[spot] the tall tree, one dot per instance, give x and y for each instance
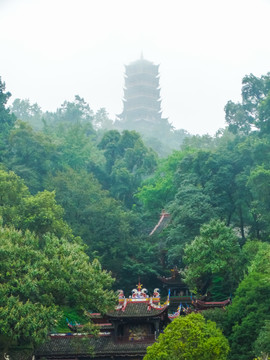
(28, 112)
(160, 188)
(213, 261)
(77, 111)
(102, 121)
(190, 209)
(7, 120)
(38, 213)
(262, 343)
(244, 117)
(32, 155)
(264, 115)
(250, 306)
(258, 183)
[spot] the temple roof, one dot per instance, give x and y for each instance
(175, 279)
(163, 221)
(71, 345)
(138, 305)
(140, 309)
(199, 304)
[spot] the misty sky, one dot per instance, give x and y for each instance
(51, 50)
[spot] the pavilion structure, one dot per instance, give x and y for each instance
(179, 292)
(182, 301)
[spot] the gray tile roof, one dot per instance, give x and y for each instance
(138, 310)
(74, 345)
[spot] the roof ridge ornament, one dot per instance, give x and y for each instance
(139, 286)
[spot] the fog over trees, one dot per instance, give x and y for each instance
(79, 197)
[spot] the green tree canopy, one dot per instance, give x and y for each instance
(213, 256)
(262, 343)
(128, 161)
(102, 121)
(12, 192)
(28, 112)
(38, 213)
(41, 214)
(32, 155)
(7, 120)
(95, 216)
(250, 306)
(38, 277)
(77, 111)
(190, 209)
(244, 117)
(189, 338)
(259, 185)
(158, 190)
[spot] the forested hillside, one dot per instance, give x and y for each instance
(78, 196)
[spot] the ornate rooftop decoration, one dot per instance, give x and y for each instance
(174, 279)
(139, 304)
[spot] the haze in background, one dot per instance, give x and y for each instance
(54, 49)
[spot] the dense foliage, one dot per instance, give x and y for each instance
(37, 276)
(250, 308)
(190, 338)
(71, 179)
(214, 260)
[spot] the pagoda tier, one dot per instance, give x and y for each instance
(137, 119)
(140, 102)
(142, 66)
(143, 80)
(139, 91)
